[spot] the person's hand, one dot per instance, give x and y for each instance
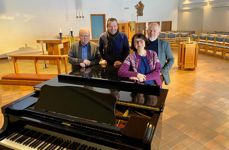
(133, 78)
(88, 70)
(82, 69)
(141, 77)
(82, 65)
(103, 62)
(87, 62)
(117, 64)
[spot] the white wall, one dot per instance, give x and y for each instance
(199, 15)
(190, 20)
(23, 22)
(216, 19)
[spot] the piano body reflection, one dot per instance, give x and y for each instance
(74, 112)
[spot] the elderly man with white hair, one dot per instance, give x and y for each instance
(163, 50)
(83, 53)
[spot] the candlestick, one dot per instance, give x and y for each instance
(189, 40)
(60, 35)
(71, 33)
(82, 15)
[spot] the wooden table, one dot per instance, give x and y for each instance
(55, 46)
(187, 55)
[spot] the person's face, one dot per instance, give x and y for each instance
(153, 31)
(112, 27)
(139, 44)
(84, 37)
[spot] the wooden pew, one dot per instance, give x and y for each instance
(223, 49)
(33, 78)
(56, 58)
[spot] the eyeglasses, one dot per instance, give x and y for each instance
(138, 41)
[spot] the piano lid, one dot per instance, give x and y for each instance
(127, 93)
(110, 84)
(77, 101)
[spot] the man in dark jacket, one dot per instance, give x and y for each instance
(113, 45)
(83, 53)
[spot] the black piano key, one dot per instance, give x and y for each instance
(44, 139)
(65, 144)
(34, 142)
(61, 144)
(77, 145)
(89, 148)
(50, 144)
(26, 142)
(18, 135)
(29, 134)
(83, 147)
(70, 146)
(23, 137)
(55, 144)
(69, 143)
(74, 145)
(46, 143)
(36, 139)
(41, 139)
(32, 138)
(11, 135)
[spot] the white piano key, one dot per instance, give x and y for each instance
(14, 145)
(21, 146)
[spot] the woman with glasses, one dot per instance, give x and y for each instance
(142, 65)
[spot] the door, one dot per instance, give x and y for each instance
(97, 25)
(158, 22)
(166, 26)
(140, 27)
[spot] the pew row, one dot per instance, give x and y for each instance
(18, 78)
(214, 49)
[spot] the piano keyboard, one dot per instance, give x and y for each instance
(33, 138)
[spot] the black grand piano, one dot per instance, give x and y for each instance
(86, 110)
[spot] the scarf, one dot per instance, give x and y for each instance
(110, 45)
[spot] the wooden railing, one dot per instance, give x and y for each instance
(36, 58)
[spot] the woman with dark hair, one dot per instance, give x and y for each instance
(142, 65)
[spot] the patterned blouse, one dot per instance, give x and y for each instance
(131, 65)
